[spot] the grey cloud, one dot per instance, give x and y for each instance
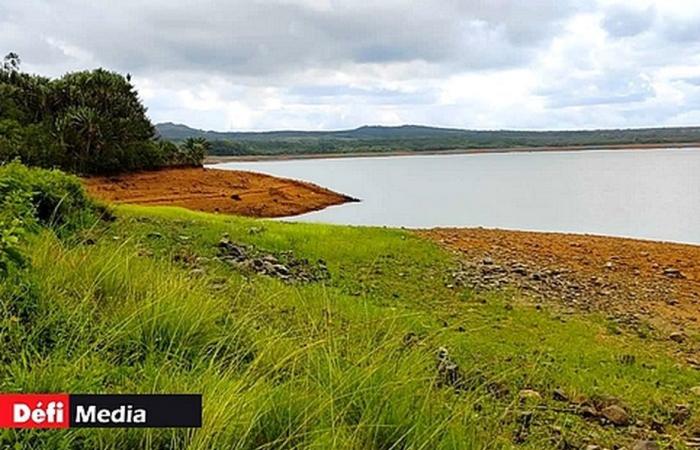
(621, 21)
(324, 94)
(253, 38)
(683, 31)
(614, 87)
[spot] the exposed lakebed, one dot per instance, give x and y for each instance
(649, 194)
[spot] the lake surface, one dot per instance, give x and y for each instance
(650, 194)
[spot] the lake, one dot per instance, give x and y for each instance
(649, 194)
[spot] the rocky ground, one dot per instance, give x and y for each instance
(638, 284)
(210, 190)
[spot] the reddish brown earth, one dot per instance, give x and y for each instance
(211, 190)
(634, 281)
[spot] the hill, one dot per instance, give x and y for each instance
(415, 138)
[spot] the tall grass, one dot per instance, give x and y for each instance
(347, 363)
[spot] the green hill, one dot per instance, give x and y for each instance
(414, 138)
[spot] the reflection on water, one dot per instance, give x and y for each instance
(653, 194)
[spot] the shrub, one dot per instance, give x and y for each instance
(30, 198)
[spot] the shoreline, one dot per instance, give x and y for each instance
(213, 160)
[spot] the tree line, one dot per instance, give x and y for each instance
(87, 122)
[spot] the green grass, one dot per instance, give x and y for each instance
(347, 363)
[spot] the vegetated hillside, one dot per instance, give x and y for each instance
(311, 336)
(414, 138)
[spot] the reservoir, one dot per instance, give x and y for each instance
(648, 194)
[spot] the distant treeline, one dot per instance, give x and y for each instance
(89, 122)
(415, 138)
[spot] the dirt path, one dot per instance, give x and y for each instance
(632, 280)
(211, 190)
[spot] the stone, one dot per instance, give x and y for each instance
(588, 412)
(527, 394)
(672, 272)
(449, 372)
(677, 336)
(560, 396)
(645, 445)
(680, 415)
(616, 415)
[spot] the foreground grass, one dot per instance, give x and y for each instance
(347, 363)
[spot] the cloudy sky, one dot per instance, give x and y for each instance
(330, 64)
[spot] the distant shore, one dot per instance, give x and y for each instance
(457, 151)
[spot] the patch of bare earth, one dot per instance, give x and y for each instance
(211, 190)
(633, 281)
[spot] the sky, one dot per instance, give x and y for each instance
(338, 64)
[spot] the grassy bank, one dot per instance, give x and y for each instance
(145, 304)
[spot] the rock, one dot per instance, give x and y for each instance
(487, 261)
(645, 445)
(527, 394)
(680, 415)
(616, 415)
(671, 272)
(280, 269)
(271, 259)
(588, 412)
(560, 396)
(677, 336)
(449, 372)
(498, 389)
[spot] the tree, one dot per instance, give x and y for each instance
(11, 62)
(89, 122)
(194, 150)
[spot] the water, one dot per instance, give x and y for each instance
(649, 194)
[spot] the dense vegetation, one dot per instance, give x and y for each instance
(415, 138)
(85, 122)
(142, 303)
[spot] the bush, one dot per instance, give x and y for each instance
(50, 197)
(30, 198)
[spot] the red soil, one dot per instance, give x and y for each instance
(211, 190)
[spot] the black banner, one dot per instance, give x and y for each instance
(136, 411)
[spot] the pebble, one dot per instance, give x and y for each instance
(560, 396)
(672, 272)
(526, 394)
(680, 415)
(677, 336)
(616, 415)
(645, 445)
